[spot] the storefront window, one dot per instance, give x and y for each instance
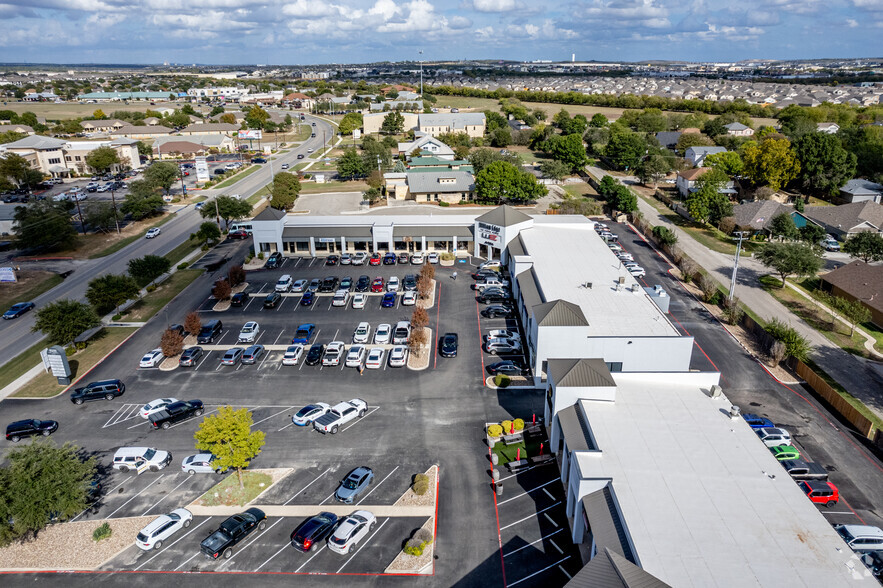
(303, 246)
(401, 245)
(441, 245)
(321, 246)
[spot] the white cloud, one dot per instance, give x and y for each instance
(459, 22)
(851, 23)
(493, 5)
(311, 9)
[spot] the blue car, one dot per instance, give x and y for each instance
(389, 300)
(308, 299)
(303, 334)
(18, 309)
(757, 422)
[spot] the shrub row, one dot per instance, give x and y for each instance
(420, 485)
(418, 542)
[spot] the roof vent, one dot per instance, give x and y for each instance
(715, 391)
(735, 412)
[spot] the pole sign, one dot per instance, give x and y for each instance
(202, 174)
(253, 134)
(55, 361)
(7, 274)
(357, 133)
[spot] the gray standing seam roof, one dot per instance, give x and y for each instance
(559, 313)
(611, 570)
(36, 142)
(575, 429)
(503, 216)
(269, 213)
(579, 373)
(607, 527)
(516, 246)
(453, 120)
(428, 181)
(527, 287)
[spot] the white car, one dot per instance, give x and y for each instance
(352, 530)
(398, 356)
(489, 264)
(362, 333)
(359, 258)
(375, 359)
(151, 233)
(333, 353)
(284, 166)
(393, 284)
(284, 284)
(155, 406)
(432, 257)
(359, 300)
(346, 259)
(614, 247)
(299, 286)
(163, 527)
(152, 358)
(623, 256)
(292, 354)
(249, 332)
(341, 297)
(502, 334)
(355, 356)
(236, 196)
(382, 334)
(309, 413)
(638, 272)
(772, 436)
(230, 166)
(201, 463)
(417, 258)
(409, 298)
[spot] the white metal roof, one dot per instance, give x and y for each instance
(705, 503)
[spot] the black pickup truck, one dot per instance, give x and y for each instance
(175, 413)
(231, 532)
(804, 470)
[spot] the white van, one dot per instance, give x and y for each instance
(133, 458)
(246, 226)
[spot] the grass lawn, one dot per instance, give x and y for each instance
(21, 363)
(148, 306)
(94, 246)
(30, 284)
(811, 286)
(67, 110)
(46, 386)
(181, 251)
(579, 190)
(233, 179)
(228, 493)
(508, 453)
(254, 198)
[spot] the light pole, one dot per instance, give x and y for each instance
(421, 74)
(740, 236)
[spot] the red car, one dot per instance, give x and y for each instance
(375, 259)
(820, 492)
(240, 234)
(377, 285)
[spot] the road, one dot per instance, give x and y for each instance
(16, 335)
(858, 376)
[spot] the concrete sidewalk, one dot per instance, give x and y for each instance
(857, 375)
(302, 510)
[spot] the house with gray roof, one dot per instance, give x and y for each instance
(668, 139)
(847, 220)
(859, 190)
(429, 144)
(10, 128)
(450, 186)
(696, 155)
(756, 216)
(858, 281)
(737, 129)
(210, 129)
(471, 123)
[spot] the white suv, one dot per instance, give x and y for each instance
(772, 436)
(132, 458)
(284, 284)
(401, 333)
(249, 332)
(341, 297)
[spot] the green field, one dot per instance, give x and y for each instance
(154, 301)
(66, 110)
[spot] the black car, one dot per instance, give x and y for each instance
(346, 284)
(239, 299)
(409, 283)
(492, 296)
(329, 284)
(508, 367)
(272, 299)
(190, 356)
(314, 355)
(497, 310)
(274, 261)
(179, 329)
(484, 274)
(363, 284)
(259, 160)
(18, 309)
(332, 260)
(313, 531)
(231, 532)
(175, 413)
(447, 345)
(29, 428)
(104, 389)
(389, 259)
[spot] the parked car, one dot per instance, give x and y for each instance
(359, 300)
(820, 492)
(359, 258)
(346, 259)
(785, 452)
(239, 299)
(238, 235)
(800, 469)
(491, 296)
(314, 285)
(772, 436)
(30, 428)
(363, 284)
(292, 354)
(190, 356)
(377, 285)
(388, 300)
(314, 355)
(151, 359)
(175, 413)
(312, 531)
(417, 258)
(375, 259)
(502, 346)
(362, 333)
(303, 333)
(409, 283)
(874, 561)
(249, 332)
(332, 260)
(398, 356)
(272, 299)
(209, 331)
(861, 537)
(507, 367)
(355, 482)
(382, 334)
(231, 532)
(831, 245)
(393, 284)
(389, 259)
(432, 257)
(346, 283)
(409, 298)
(352, 530)
(637, 271)
(490, 263)
(155, 406)
(18, 309)
(309, 413)
(103, 389)
(403, 258)
(232, 356)
(333, 353)
(374, 360)
(341, 298)
(200, 463)
(757, 422)
(329, 284)
(401, 333)
(133, 458)
(274, 260)
(299, 286)
(252, 354)
(447, 345)
(284, 284)
(355, 356)
(340, 414)
(161, 528)
(308, 298)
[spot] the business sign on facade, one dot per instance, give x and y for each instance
(326, 240)
(55, 361)
(202, 174)
(7, 274)
(252, 134)
(490, 235)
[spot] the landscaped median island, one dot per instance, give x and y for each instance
(418, 549)
(517, 444)
(228, 491)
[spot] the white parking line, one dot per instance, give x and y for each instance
(311, 558)
(549, 494)
(134, 497)
(250, 543)
(357, 421)
(284, 547)
(375, 487)
(204, 358)
(326, 499)
(186, 562)
(550, 519)
(186, 479)
(250, 300)
(302, 490)
(560, 561)
(122, 414)
(563, 571)
(285, 427)
(363, 546)
(532, 516)
(284, 298)
(272, 415)
(172, 544)
(555, 545)
(532, 543)
(526, 492)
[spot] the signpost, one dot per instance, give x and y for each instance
(55, 360)
(202, 174)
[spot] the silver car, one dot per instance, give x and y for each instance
(201, 463)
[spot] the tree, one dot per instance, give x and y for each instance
(653, 168)
(501, 180)
(236, 275)
(374, 150)
(598, 121)
(192, 323)
(416, 341)
(208, 231)
(256, 117)
(556, 170)
(824, 164)
(16, 168)
(102, 159)
(350, 122)
(61, 321)
(393, 123)
(375, 179)
(229, 209)
(100, 215)
(481, 158)
(222, 290)
(568, 149)
(419, 318)
(771, 162)
(109, 291)
(162, 174)
(854, 311)
(728, 162)
(143, 200)
(99, 115)
(216, 111)
(788, 259)
(866, 246)
(228, 436)
(144, 150)
(43, 225)
(372, 195)
(623, 199)
(350, 164)
(782, 226)
(500, 137)
(148, 268)
(42, 482)
(172, 343)
(811, 233)
(461, 152)
(284, 191)
(625, 148)
(493, 121)
(228, 118)
(687, 140)
(665, 236)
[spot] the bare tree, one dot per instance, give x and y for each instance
(236, 275)
(222, 290)
(172, 343)
(708, 287)
(192, 324)
(419, 318)
(416, 341)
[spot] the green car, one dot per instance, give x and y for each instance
(783, 452)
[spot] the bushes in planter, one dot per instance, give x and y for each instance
(103, 531)
(418, 542)
(420, 485)
(502, 381)
(495, 430)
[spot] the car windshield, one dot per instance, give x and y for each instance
(306, 410)
(148, 455)
(301, 333)
(349, 484)
(174, 516)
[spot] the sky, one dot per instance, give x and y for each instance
(301, 32)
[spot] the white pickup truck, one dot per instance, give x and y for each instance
(339, 415)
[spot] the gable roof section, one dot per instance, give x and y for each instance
(668, 138)
(860, 187)
(699, 150)
(180, 147)
(527, 287)
(430, 181)
(270, 214)
(858, 279)
(575, 429)
(503, 216)
(736, 126)
(692, 174)
(758, 214)
(606, 524)
(579, 373)
(37, 142)
(453, 120)
(611, 570)
(847, 216)
(559, 313)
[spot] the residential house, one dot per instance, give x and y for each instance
(151, 121)
(858, 281)
(518, 125)
(145, 132)
(471, 123)
(827, 127)
(103, 126)
(299, 100)
(846, 220)
(429, 185)
(738, 130)
(686, 180)
(756, 216)
(34, 96)
(24, 129)
(668, 139)
(859, 190)
(210, 129)
(427, 144)
(214, 143)
(696, 155)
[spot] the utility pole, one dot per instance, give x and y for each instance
(80, 213)
(739, 237)
(116, 217)
(421, 75)
(218, 214)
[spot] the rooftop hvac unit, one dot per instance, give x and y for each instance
(635, 287)
(621, 280)
(715, 391)
(735, 412)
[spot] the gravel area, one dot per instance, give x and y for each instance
(422, 362)
(221, 306)
(404, 563)
(69, 546)
(429, 302)
(170, 363)
(428, 499)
